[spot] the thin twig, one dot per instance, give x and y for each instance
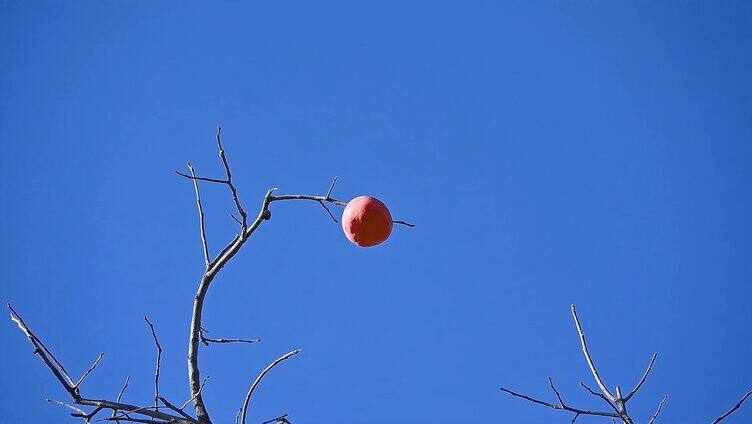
(589, 358)
(159, 362)
(193, 177)
(206, 340)
(175, 408)
(331, 188)
(642, 380)
(203, 383)
(233, 190)
(94, 365)
(78, 411)
(558, 395)
(279, 419)
(600, 395)
(404, 223)
(258, 380)
(658, 411)
(734, 408)
(560, 407)
(99, 404)
(41, 350)
(120, 395)
(201, 224)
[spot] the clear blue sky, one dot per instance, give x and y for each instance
(595, 153)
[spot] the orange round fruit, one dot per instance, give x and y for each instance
(366, 221)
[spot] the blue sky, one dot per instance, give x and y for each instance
(550, 153)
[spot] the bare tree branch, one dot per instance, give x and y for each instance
(658, 411)
(734, 408)
(201, 224)
(94, 365)
(206, 340)
(175, 408)
(228, 174)
(159, 362)
(99, 404)
(203, 383)
(258, 380)
(120, 395)
(644, 377)
(561, 406)
(282, 419)
(404, 223)
(78, 411)
(589, 359)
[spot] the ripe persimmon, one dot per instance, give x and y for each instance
(366, 221)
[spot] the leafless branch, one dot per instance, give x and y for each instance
(206, 340)
(41, 350)
(658, 411)
(258, 380)
(120, 394)
(175, 408)
(134, 420)
(94, 365)
(282, 419)
(99, 404)
(600, 395)
(159, 362)
(644, 377)
(404, 223)
(78, 411)
(202, 226)
(618, 403)
(589, 359)
(561, 406)
(734, 408)
(203, 383)
(193, 177)
(228, 174)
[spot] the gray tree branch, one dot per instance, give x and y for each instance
(260, 377)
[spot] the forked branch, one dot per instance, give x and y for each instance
(123, 409)
(213, 266)
(618, 402)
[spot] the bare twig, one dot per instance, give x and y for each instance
(282, 419)
(201, 224)
(561, 407)
(78, 411)
(98, 404)
(258, 380)
(589, 359)
(41, 350)
(642, 380)
(203, 383)
(135, 420)
(94, 365)
(558, 395)
(175, 408)
(404, 223)
(600, 395)
(733, 408)
(120, 395)
(159, 362)
(206, 340)
(193, 177)
(658, 411)
(233, 190)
